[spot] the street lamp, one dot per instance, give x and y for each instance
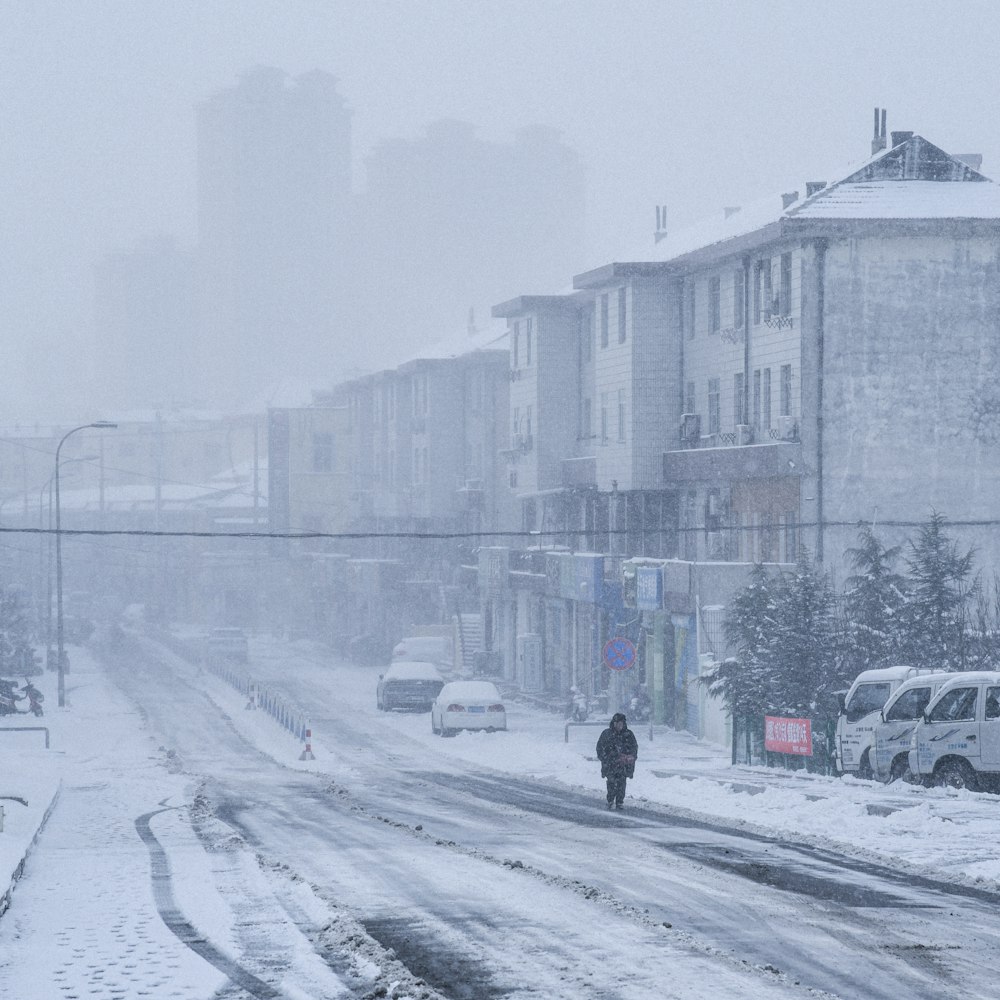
(60, 651)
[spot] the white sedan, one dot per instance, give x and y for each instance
(468, 705)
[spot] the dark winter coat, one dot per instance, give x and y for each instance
(616, 750)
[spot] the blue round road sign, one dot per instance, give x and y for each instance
(619, 654)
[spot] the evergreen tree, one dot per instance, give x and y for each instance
(744, 683)
(807, 647)
(873, 603)
(940, 587)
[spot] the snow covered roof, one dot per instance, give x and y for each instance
(913, 180)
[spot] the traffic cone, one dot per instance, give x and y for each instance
(251, 696)
(307, 753)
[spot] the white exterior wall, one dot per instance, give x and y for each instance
(720, 354)
(613, 371)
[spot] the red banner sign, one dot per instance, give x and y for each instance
(788, 735)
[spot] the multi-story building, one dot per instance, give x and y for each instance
(761, 383)
(146, 329)
(274, 229)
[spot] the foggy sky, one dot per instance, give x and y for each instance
(691, 105)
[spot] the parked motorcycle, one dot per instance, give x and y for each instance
(640, 707)
(9, 697)
(579, 707)
(34, 696)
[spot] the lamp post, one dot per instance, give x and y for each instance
(60, 651)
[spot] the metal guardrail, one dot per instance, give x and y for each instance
(28, 729)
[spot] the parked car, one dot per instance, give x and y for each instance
(408, 684)
(896, 722)
(957, 742)
(434, 649)
(228, 644)
(859, 711)
(468, 705)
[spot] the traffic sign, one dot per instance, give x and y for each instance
(619, 654)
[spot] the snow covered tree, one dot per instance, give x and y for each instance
(940, 587)
(806, 647)
(744, 683)
(873, 602)
(15, 633)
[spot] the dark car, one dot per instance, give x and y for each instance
(408, 684)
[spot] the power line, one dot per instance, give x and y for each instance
(535, 534)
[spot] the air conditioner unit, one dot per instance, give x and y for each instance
(713, 504)
(787, 428)
(744, 434)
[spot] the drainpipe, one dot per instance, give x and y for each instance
(821, 246)
(745, 415)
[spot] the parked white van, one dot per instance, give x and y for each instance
(859, 711)
(957, 742)
(896, 722)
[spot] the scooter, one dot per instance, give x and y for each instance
(34, 696)
(578, 708)
(8, 698)
(639, 707)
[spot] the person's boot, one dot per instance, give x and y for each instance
(619, 805)
(611, 804)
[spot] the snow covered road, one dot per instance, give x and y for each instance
(477, 867)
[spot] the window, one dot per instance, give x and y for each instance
(756, 398)
(527, 421)
(909, 705)
(604, 320)
(766, 403)
(586, 334)
(757, 292)
(621, 415)
(785, 289)
(688, 317)
(322, 452)
(515, 336)
(768, 289)
(739, 296)
(715, 303)
(416, 466)
(786, 390)
(585, 425)
(689, 397)
(739, 398)
(515, 422)
(604, 418)
(621, 315)
(957, 705)
(713, 406)
(528, 331)
(992, 703)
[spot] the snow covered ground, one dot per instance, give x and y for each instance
(118, 798)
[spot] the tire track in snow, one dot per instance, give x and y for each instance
(183, 929)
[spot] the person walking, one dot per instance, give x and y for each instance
(617, 750)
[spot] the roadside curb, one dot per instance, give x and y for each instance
(6, 898)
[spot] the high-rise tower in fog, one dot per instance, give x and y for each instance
(453, 222)
(274, 231)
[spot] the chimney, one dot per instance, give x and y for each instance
(814, 187)
(898, 138)
(731, 210)
(878, 141)
(661, 224)
(789, 198)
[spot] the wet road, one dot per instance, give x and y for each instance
(490, 885)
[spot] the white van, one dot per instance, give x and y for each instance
(957, 742)
(859, 711)
(896, 722)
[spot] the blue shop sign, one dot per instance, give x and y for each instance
(648, 588)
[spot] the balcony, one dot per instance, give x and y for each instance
(735, 454)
